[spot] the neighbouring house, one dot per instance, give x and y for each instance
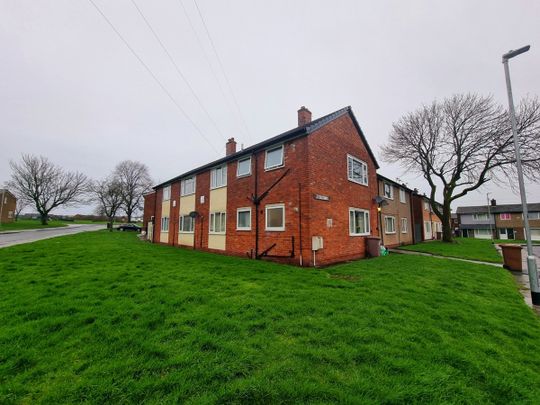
(395, 215)
(427, 225)
(306, 196)
(8, 204)
(503, 221)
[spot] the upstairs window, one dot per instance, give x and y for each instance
(187, 186)
(481, 217)
(388, 191)
(243, 167)
(426, 205)
(274, 158)
(505, 217)
(243, 219)
(534, 215)
(402, 196)
(218, 177)
(166, 193)
(357, 170)
(358, 222)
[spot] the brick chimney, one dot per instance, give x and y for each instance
(230, 147)
(304, 116)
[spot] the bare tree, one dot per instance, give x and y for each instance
(107, 193)
(135, 180)
(45, 185)
(20, 205)
(463, 142)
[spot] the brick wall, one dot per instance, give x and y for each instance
(398, 210)
(148, 212)
(8, 208)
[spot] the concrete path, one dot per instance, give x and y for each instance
(411, 252)
(32, 235)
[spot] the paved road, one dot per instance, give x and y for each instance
(16, 238)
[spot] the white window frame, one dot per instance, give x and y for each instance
(404, 225)
(274, 228)
(438, 226)
(366, 221)
(164, 224)
(507, 216)
(243, 228)
(212, 222)
(238, 174)
(481, 217)
(352, 159)
(426, 205)
(185, 182)
(426, 223)
(166, 193)
(534, 215)
(402, 196)
(214, 179)
(273, 148)
(390, 195)
(393, 221)
(181, 226)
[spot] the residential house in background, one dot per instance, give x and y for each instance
(427, 225)
(8, 204)
(395, 216)
(306, 196)
(498, 221)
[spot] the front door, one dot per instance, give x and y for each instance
(510, 232)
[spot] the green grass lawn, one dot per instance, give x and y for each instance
(465, 248)
(29, 224)
(104, 318)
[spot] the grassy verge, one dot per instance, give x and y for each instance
(22, 224)
(464, 248)
(103, 318)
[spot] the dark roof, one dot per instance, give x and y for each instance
(497, 209)
(401, 185)
(285, 136)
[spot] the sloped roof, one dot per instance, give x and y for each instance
(395, 183)
(285, 136)
(497, 209)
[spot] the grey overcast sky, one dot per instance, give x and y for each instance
(71, 90)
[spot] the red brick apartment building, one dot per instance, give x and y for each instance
(305, 196)
(8, 203)
(427, 225)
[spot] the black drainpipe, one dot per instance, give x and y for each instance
(257, 204)
(300, 220)
(154, 222)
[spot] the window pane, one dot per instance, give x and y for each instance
(244, 167)
(244, 219)
(274, 157)
(274, 217)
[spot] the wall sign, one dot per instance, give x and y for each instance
(321, 197)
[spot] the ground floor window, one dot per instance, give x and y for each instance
(186, 224)
(404, 225)
(427, 226)
(243, 219)
(358, 222)
(482, 233)
(438, 226)
(275, 217)
(390, 224)
(165, 224)
(217, 222)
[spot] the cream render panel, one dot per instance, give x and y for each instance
(187, 205)
(218, 203)
(165, 212)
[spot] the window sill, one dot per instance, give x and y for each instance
(186, 232)
(269, 169)
(216, 233)
(357, 182)
(389, 233)
(274, 229)
(243, 229)
(241, 176)
(187, 195)
(359, 234)
(215, 188)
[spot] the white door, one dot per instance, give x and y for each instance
(535, 234)
(502, 233)
(427, 230)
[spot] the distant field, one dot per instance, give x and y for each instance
(465, 248)
(104, 318)
(29, 224)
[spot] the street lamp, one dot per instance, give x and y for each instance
(531, 261)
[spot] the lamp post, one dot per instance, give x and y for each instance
(489, 217)
(531, 260)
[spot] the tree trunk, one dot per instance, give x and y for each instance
(44, 219)
(129, 212)
(110, 224)
(447, 223)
